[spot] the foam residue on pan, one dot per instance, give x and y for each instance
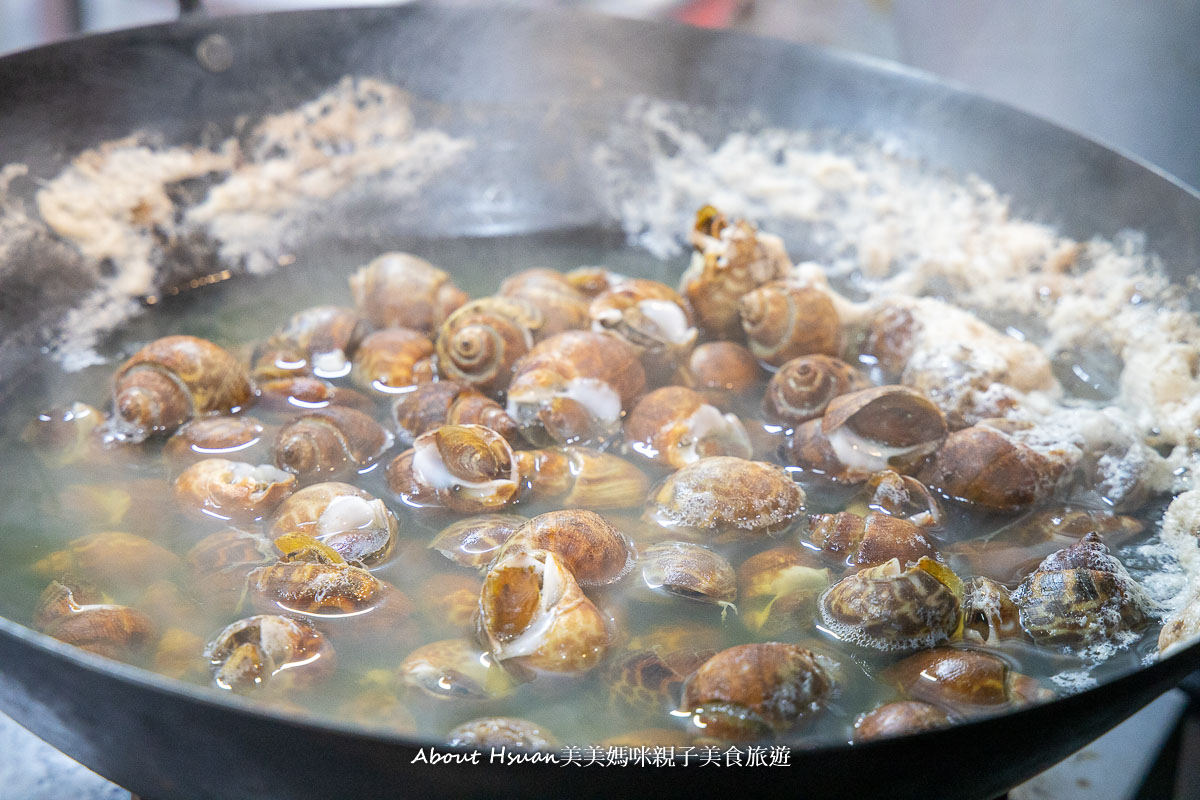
(127, 205)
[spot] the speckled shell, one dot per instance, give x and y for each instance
(986, 468)
(964, 681)
(689, 571)
(495, 732)
(572, 388)
(783, 321)
(232, 490)
(779, 589)
(71, 614)
(898, 719)
(328, 336)
(392, 361)
(562, 306)
(578, 477)
(324, 590)
(174, 379)
(889, 608)
(533, 613)
(464, 468)
(247, 655)
(649, 315)
(449, 600)
(882, 427)
(1082, 595)
(330, 443)
(304, 392)
(753, 691)
(726, 497)
(454, 669)
(595, 552)
(674, 426)
(479, 343)
(365, 530)
(647, 682)
(241, 437)
(399, 289)
(803, 388)
(109, 559)
(869, 540)
(727, 265)
(1015, 551)
(476, 541)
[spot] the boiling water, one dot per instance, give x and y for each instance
(39, 517)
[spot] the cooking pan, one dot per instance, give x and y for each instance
(535, 91)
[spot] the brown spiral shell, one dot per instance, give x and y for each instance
(649, 315)
(431, 405)
(242, 437)
(753, 691)
(687, 570)
(74, 614)
(304, 392)
(464, 468)
(897, 719)
(392, 361)
(327, 336)
(533, 613)
(329, 443)
(595, 552)
(232, 490)
(803, 387)
(673, 426)
(479, 343)
(783, 321)
(562, 306)
(891, 608)
(174, 379)
(964, 681)
(109, 559)
(402, 290)
(476, 541)
(489, 732)
(987, 468)
(573, 387)
(720, 371)
(348, 519)
(724, 497)
(870, 540)
(779, 590)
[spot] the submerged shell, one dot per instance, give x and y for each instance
(985, 467)
(248, 654)
(893, 609)
(573, 388)
(402, 289)
(476, 541)
(783, 321)
(232, 490)
(326, 336)
(964, 681)
(674, 426)
(111, 559)
(392, 361)
(689, 571)
(330, 443)
(579, 477)
(351, 521)
(479, 343)
(804, 387)
(753, 691)
(870, 540)
(500, 732)
(235, 437)
(465, 468)
(454, 669)
(647, 682)
(779, 590)
(74, 614)
(897, 719)
(724, 496)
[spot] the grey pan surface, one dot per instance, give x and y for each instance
(542, 88)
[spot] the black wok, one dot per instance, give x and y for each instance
(518, 71)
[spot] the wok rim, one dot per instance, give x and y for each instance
(158, 684)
